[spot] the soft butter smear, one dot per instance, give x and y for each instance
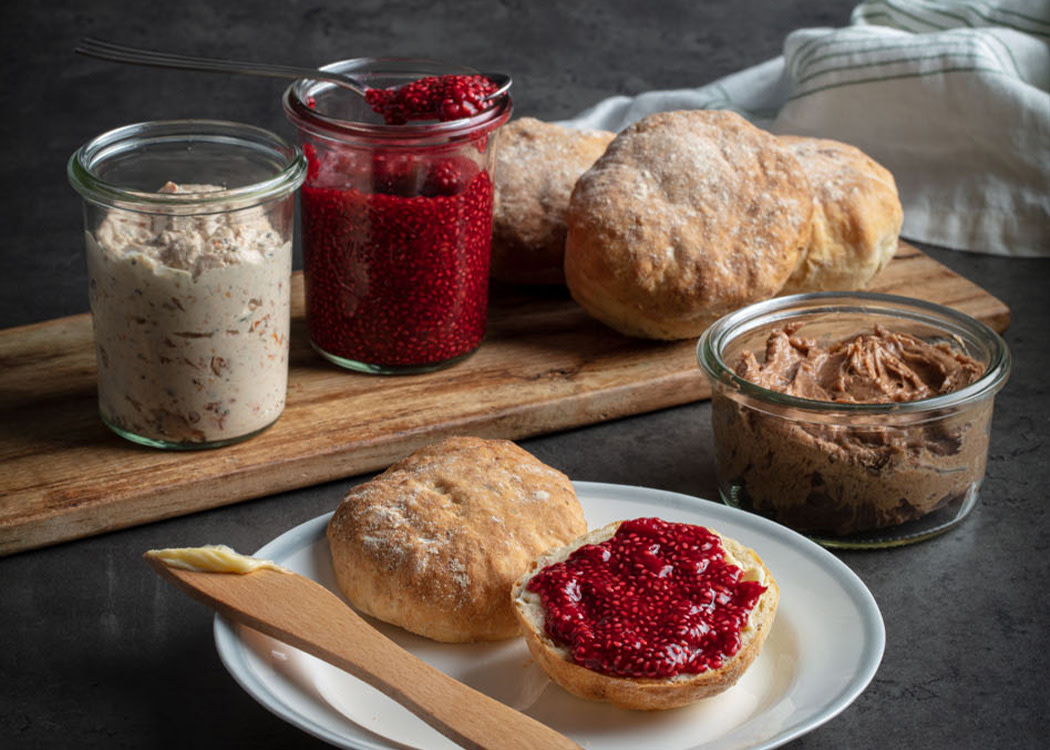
(211, 558)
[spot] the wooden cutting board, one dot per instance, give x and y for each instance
(544, 366)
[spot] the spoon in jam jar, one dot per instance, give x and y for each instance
(485, 87)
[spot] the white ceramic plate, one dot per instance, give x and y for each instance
(825, 646)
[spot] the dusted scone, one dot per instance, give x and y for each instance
(537, 164)
(647, 614)
(434, 543)
(856, 221)
(687, 216)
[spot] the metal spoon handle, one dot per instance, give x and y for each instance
(119, 53)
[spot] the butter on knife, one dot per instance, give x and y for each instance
(211, 558)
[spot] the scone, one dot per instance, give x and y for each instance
(537, 164)
(687, 216)
(856, 221)
(647, 614)
(434, 543)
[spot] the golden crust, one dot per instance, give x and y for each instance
(687, 216)
(435, 542)
(856, 221)
(645, 694)
(537, 164)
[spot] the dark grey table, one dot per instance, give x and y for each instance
(98, 652)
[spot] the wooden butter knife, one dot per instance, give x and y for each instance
(304, 614)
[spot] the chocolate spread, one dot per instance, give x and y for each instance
(871, 368)
(830, 473)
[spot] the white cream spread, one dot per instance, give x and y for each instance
(191, 321)
(211, 558)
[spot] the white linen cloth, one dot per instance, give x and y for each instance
(951, 97)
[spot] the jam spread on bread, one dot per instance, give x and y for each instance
(655, 600)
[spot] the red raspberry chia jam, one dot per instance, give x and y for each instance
(398, 279)
(655, 600)
(397, 218)
(447, 97)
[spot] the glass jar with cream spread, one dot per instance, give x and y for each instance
(188, 230)
(860, 419)
(397, 212)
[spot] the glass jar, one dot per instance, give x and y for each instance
(188, 230)
(851, 475)
(396, 221)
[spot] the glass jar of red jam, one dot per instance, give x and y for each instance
(396, 213)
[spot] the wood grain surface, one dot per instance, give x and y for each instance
(304, 614)
(545, 366)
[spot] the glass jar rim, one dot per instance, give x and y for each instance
(303, 116)
(82, 176)
(783, 309)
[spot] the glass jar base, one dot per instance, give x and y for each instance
(175, 445)
(929, 526)
(370, 368)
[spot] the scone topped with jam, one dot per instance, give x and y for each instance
(647, 614)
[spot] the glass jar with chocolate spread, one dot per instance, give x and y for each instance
(397, 212)
(860, 419)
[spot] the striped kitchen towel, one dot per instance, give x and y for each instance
(952, 97)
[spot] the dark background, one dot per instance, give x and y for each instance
(98, 653)
(564, 56)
